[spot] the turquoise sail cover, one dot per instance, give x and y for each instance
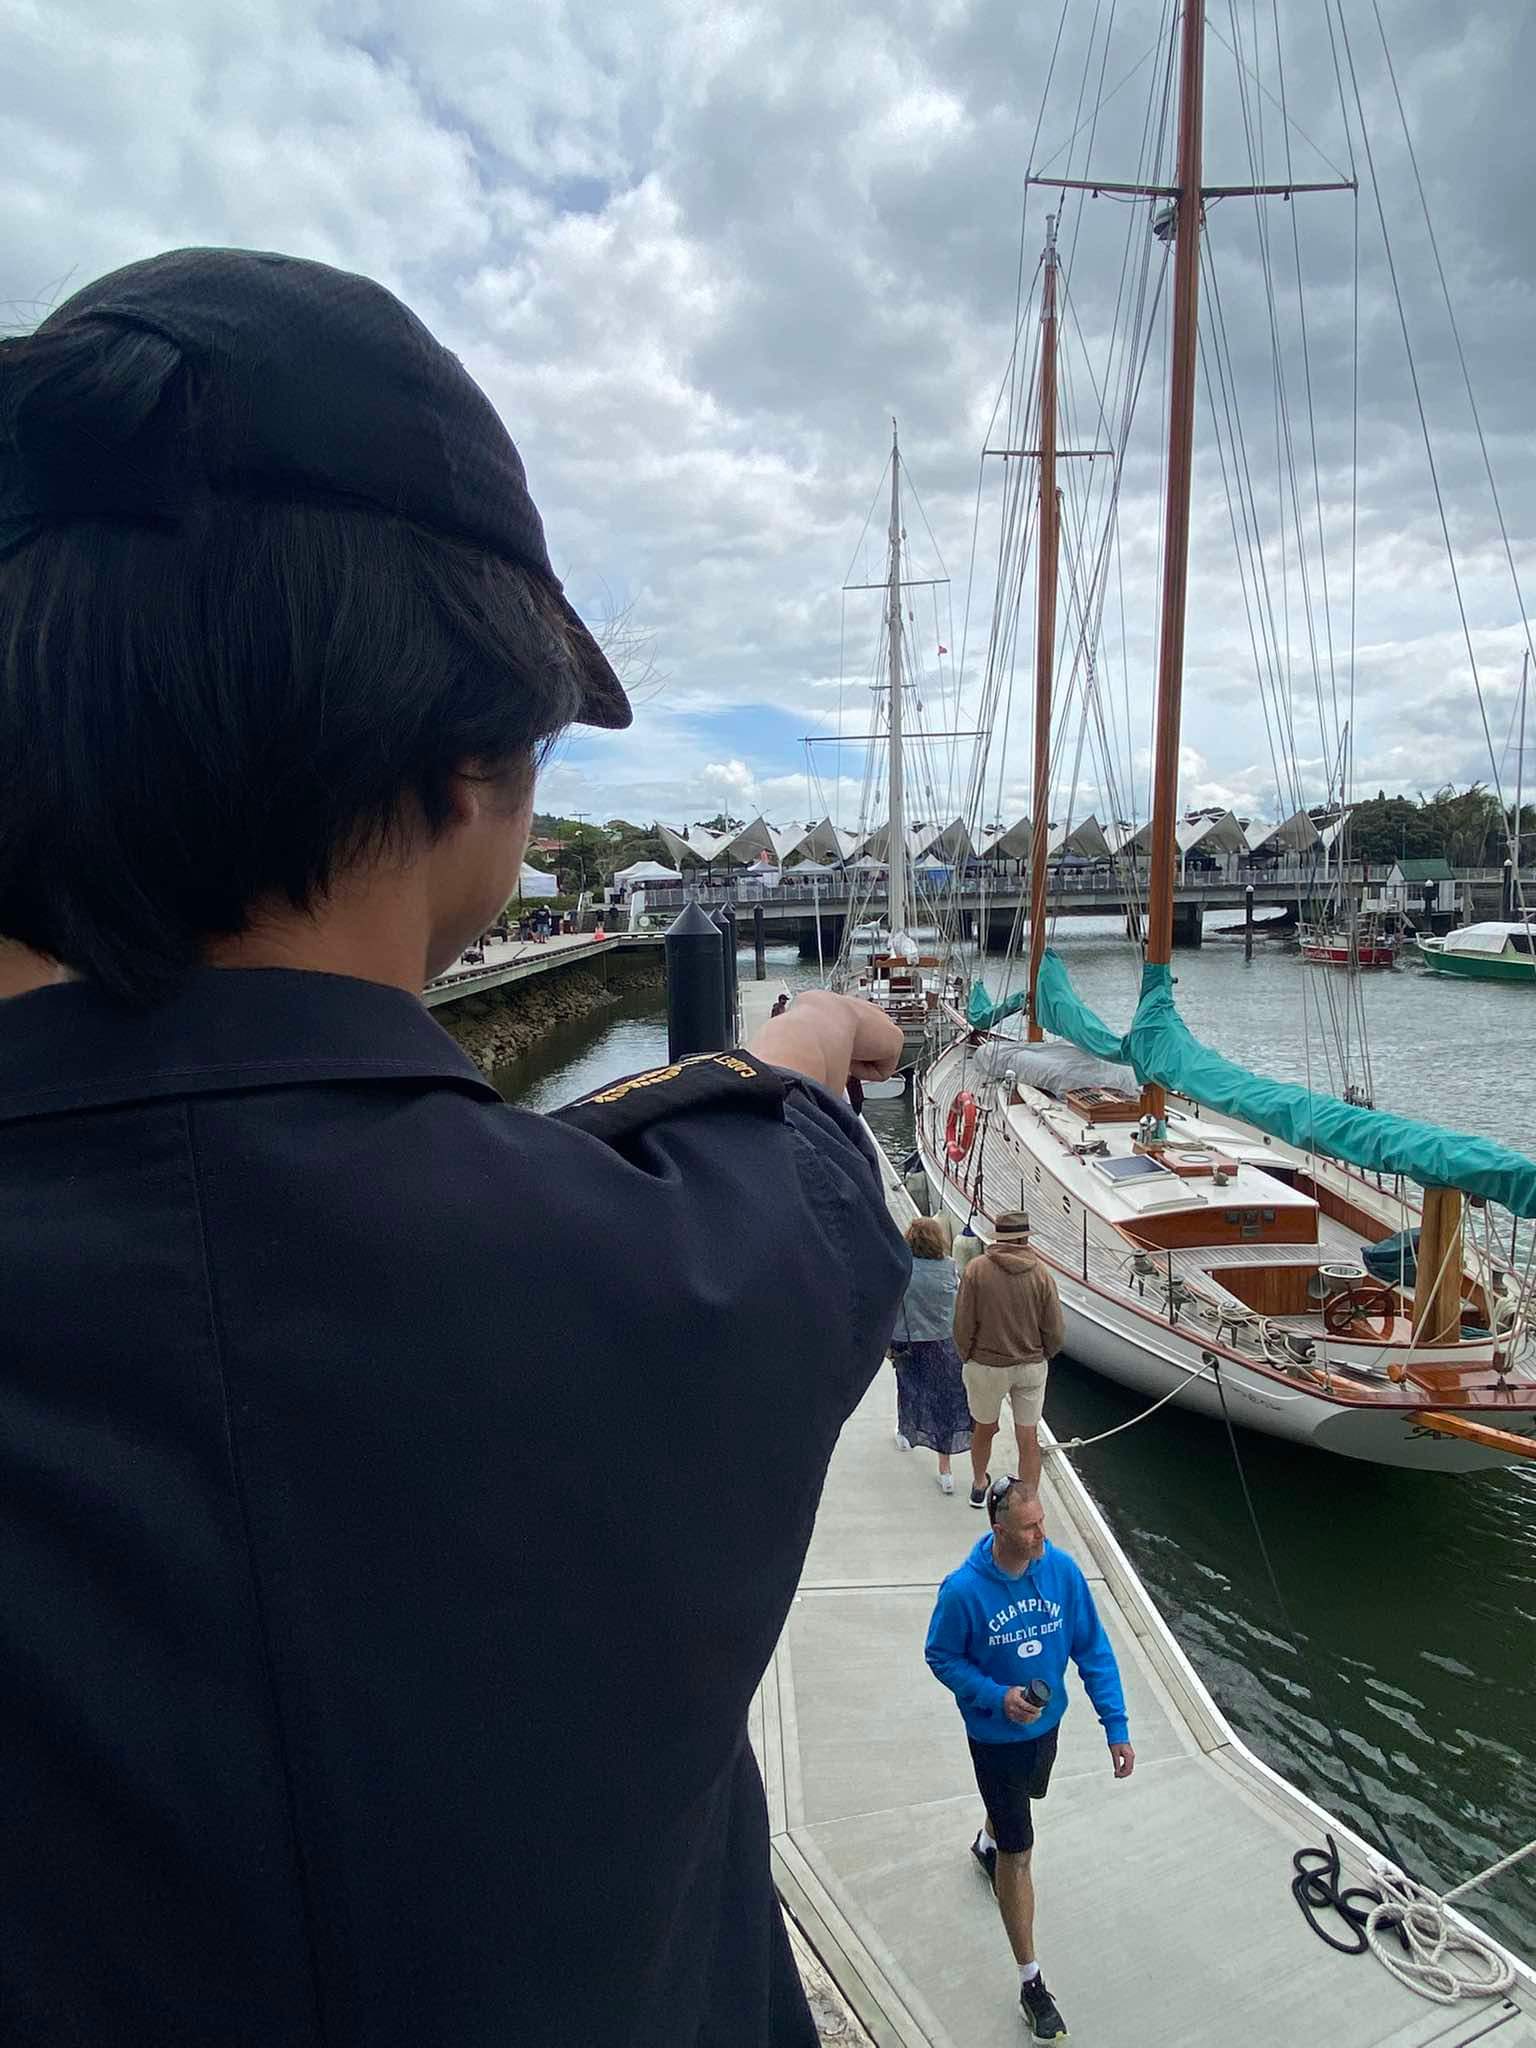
(982, 1014)
(1160, 1047)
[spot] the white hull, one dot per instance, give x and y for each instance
(1133, 1343)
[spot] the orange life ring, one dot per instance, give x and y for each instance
(960, 1127)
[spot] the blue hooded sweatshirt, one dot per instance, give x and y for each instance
(990, 1632)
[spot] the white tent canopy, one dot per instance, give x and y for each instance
(823, 842)
(535, 882)
(1130, 841)
(1008, 842)
(647, 871)
(1211, 835)
(754, 842)
(1086, 840)
(698, 849)
(876, 844)
(1331, 833)
(1295, 834)
(950, 843)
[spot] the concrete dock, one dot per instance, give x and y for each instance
(1164, 1918)
(512, 960)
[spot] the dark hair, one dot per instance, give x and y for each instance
(210, 698)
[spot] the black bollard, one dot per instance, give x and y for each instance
(759, 955)
(1507, 892)
(725, 918)
(1248, 922)
(695, 986)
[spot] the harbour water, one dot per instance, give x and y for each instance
(1406, 1695)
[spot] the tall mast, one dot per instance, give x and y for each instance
(896, 830)
(1181, 435)
(1514, 837)
(1045, 626)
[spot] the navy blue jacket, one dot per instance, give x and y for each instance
(402, 1495)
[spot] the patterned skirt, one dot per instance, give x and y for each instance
(931, 1409)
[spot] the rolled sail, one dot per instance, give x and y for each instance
(1159, 1047)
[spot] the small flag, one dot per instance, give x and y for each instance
(943, 650)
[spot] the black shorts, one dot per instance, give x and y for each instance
(1008, 1776)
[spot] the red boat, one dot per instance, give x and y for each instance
(1372, 945)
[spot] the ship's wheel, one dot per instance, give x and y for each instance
(1366, 1310)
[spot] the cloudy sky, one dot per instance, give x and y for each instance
(700, 255)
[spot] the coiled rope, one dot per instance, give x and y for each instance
(1409, 1929)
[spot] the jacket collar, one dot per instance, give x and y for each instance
(69, 1046)
(1006, 1254)
(987, 1546)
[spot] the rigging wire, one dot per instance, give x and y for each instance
(1418, 392)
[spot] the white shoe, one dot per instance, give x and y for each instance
(945, 1481)
(901, 1442)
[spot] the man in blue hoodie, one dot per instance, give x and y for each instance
(1003, 1628)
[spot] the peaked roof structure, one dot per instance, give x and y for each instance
(1130, 841)
(1296, 834)
(951, 842)
(1006, 842)
(1212, 835)
(1086, 840)
(1435, 870)
(699, 849)
(823, 842)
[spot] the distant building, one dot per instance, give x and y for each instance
(1413, 886)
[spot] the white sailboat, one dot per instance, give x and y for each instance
(1285, 1260)
(899, 973)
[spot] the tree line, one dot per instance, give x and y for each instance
(582, 856)
(1468, 827)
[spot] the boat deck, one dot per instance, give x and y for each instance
(1165, 1915)
(1005, 1182)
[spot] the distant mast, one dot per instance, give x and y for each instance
(896, 829)
(1514, 837)
(1045, 628)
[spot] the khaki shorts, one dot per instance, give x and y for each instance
(985, 1386)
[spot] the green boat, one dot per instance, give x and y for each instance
(1484, 952)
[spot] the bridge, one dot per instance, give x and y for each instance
(988, 911)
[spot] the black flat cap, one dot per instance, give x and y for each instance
(328, 386)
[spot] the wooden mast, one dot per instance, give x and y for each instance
(1437, 1289)
(1181, 434)
(1045, 627)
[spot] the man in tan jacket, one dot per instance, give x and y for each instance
(1007, 1327)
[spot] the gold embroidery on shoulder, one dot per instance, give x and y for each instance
(656, 1075)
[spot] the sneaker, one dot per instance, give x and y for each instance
(902, 1443)
(1039, 2009)
(987, 1858)
(945, 1481)
(978, 1496)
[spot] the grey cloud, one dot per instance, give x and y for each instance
(698, 258)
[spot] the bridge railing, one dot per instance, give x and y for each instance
(1097, 879)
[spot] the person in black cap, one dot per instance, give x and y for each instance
(354, 1691)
